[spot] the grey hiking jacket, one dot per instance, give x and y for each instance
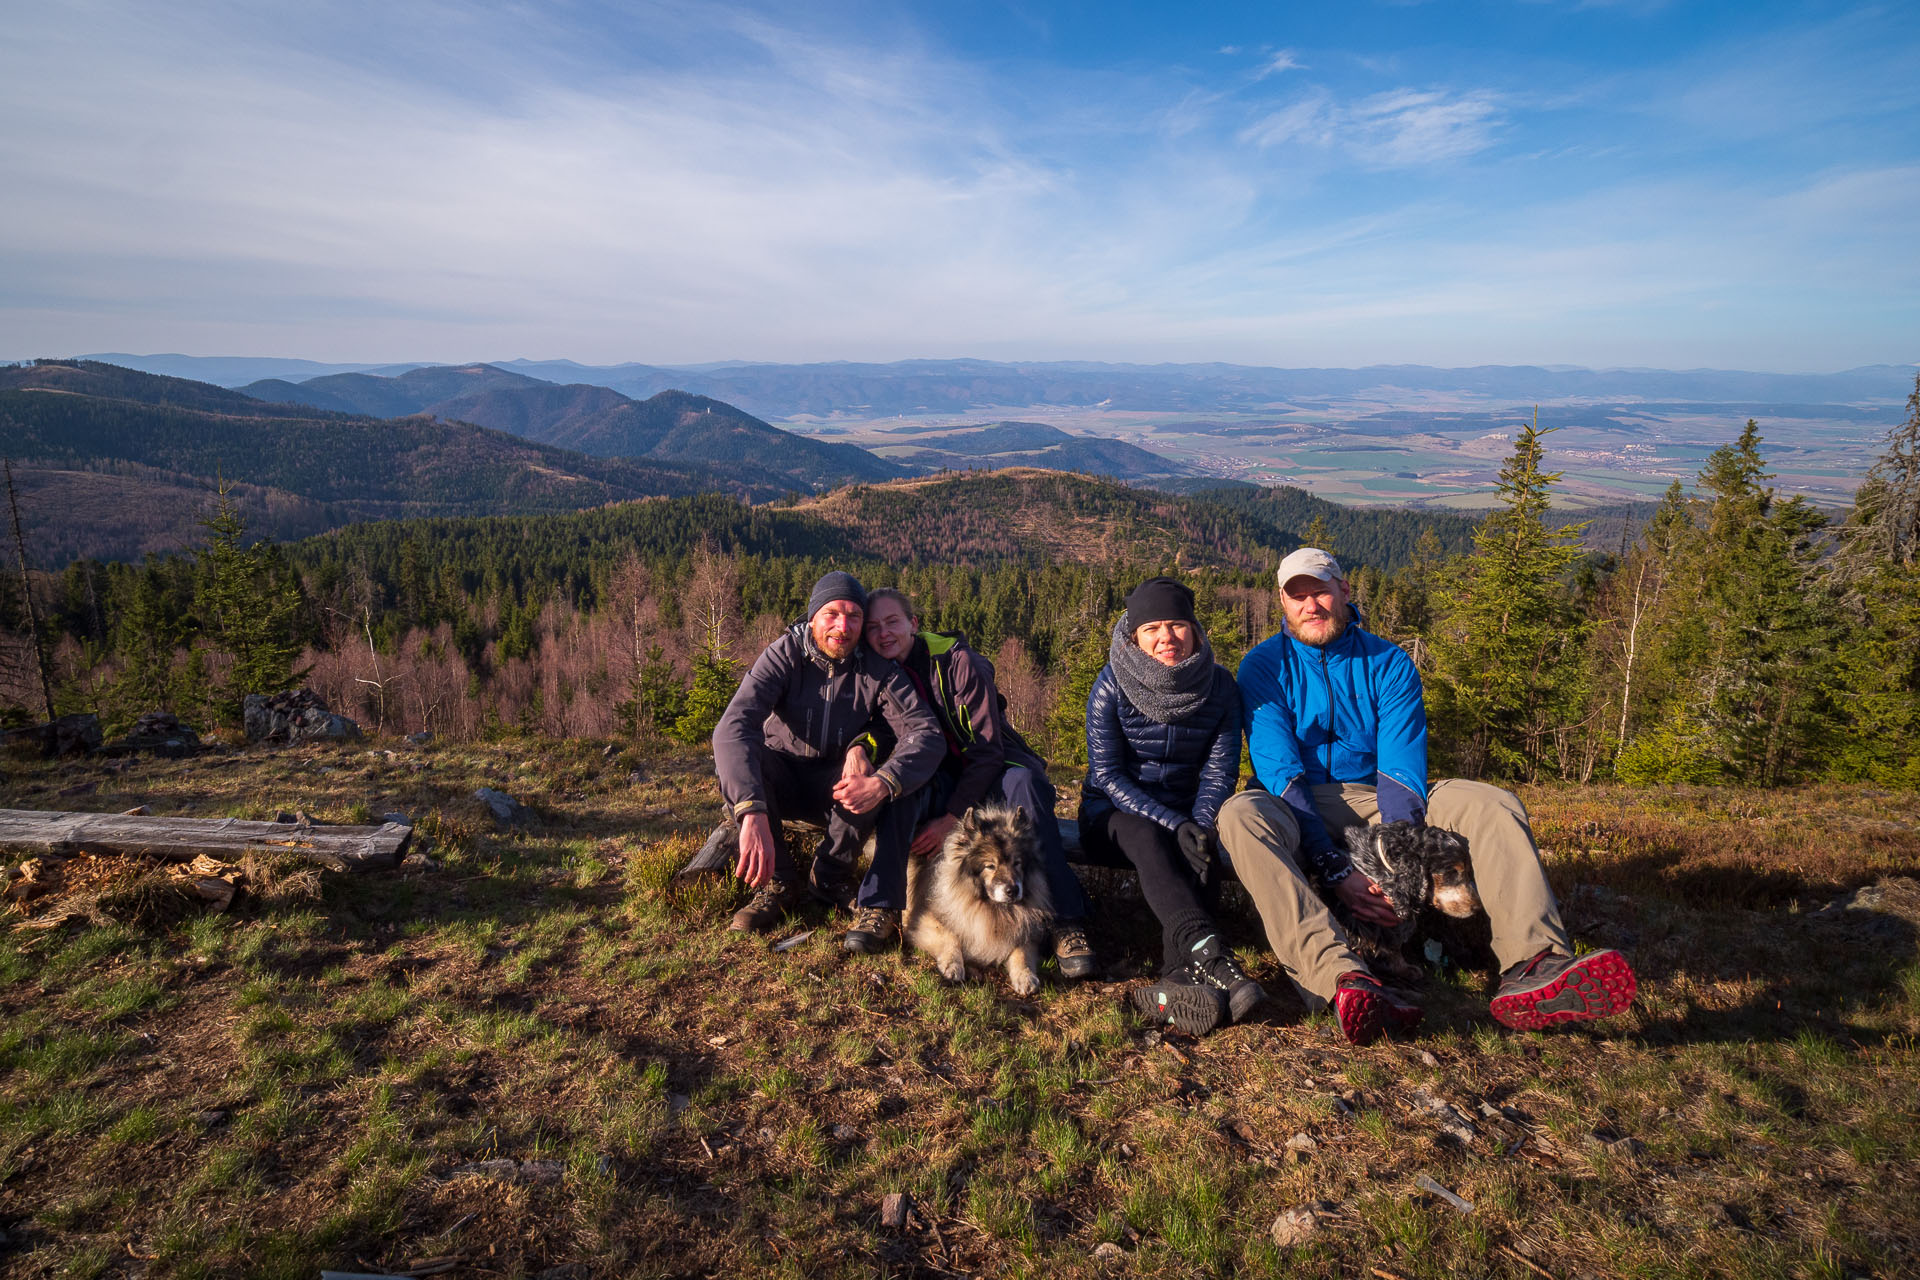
(799, 702)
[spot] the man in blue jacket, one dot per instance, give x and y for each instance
(1337, 730)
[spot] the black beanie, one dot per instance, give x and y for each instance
(837, 585)
(1160, 600)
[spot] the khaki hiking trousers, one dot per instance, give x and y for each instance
(1260, 836)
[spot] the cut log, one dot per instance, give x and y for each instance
(37, 831)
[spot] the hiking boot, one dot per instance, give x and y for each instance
(1212, 965)
(873, 928)
(1550, 989)
(1365, 1009)
(1071, 949)
(1177, 1001)
(832, 881)
(770, 902)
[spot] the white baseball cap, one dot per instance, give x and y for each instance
(1313, 563)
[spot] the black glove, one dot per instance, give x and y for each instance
(1197, 842)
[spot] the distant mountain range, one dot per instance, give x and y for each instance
(128, 459)
(688, 428)
(136, 454)
(671, 426)
(782, 391)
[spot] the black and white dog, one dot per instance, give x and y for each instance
(1416, 867)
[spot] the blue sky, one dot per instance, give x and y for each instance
(1604, 184)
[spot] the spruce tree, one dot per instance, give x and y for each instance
(1505, 656)
(1878, 572)
(249, 604)
(1760, 688)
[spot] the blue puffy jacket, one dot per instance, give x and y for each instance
(1351, 712)
(1166, 773)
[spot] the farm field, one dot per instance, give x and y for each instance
(1445, 450)
(538, 1058)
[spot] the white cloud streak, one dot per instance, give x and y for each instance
(1398, 129)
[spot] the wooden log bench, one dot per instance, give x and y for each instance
(37, 832)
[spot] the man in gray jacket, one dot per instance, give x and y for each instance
(781, 750)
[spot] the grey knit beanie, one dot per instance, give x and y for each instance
(838, 585)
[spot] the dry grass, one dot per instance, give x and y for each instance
(316, 1078)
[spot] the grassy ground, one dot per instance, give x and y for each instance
(536, 1059)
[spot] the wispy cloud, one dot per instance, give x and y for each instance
(1401, 128)
(1284, 60)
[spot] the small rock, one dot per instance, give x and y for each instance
(845, 1133)
(1428, 1059)
(208, 1119)
(677, 1102)
(506, 811)
(421, 738)
(769, 1137)
(893, 1211)
(1108, 1251)
(1295, 1226)
(542, 1170)
(605, 1167)
(1301, 1142)
(398, 819)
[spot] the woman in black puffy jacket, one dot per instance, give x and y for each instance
(1163, 754)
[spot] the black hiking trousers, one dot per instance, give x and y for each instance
(802, 790)
(1178, 899)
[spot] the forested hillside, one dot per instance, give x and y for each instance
(139, 454)
(671, 426)
(1031, 444)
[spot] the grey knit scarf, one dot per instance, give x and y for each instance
(1166, 695)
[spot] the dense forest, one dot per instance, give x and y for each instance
(1730, 635)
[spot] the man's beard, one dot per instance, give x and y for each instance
(1327, 631)
(836, 649)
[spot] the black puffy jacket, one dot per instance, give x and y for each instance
(1167, 773)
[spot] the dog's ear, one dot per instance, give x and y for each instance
(1020, 813)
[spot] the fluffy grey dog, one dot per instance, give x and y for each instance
(1416, 866)
(983, 898)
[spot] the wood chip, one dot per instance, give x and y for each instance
(893, 1211)
(1427, 1184)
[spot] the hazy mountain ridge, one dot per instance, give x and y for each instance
(670, 426)
(78, 432)
(779, 391)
